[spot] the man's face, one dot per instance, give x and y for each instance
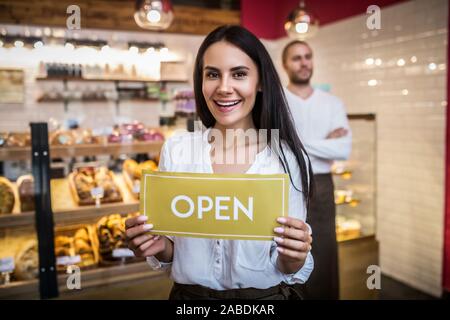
(299, 64)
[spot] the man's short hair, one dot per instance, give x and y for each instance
(290, 44)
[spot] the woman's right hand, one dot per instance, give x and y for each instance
(140, 241)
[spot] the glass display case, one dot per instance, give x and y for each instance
(355, 182)
(19, 256)
(93, 186)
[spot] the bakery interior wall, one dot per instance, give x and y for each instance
(409, 100)
(399, 73)
(15, 117)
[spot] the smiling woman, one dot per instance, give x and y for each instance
(236, 89)
(230, 86)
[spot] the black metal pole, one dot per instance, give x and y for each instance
(48, 283)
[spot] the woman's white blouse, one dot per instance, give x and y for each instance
(228, 264)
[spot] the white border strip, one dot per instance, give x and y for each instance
(215, 234)
(211, 178)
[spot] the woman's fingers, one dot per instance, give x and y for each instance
(150, 248)
(292, 244)
(138, 230)
(293, 222)
(139, 250)
(293, 233)
(132, 222)
(139, 240)
(293, 254)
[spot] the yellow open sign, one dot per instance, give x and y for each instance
(227, 206)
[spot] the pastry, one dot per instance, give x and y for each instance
(85, 179)
(63, 246)
(18, 140)
(62, 138)
(146, 165)
(130, 166)
(111, 235)
(26, 261)
(62, 252)
(6, 196)
(78, 245)
(63, 241)
(85, 136)
(84, 247)
(26, 193)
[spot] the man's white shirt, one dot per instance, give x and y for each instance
(314, 118)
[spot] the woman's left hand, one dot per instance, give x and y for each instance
(294, 243)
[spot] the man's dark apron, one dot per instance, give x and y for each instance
(324, 280)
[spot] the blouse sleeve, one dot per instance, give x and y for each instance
(297, 209)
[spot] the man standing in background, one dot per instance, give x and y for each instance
(321, 122)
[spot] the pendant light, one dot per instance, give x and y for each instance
(153, 14)
(301, 24)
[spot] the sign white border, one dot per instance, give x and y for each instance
(212, 178)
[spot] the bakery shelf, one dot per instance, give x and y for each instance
(46, 100)
(88, 213)
(87, 100)
(24, 153)
(15, 153)
(93, 278)
(20, 290)
(67, 211)
(111, 149)
(107, 276)
(108, 79)
(17, 220)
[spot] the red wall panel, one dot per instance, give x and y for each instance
(266, 18)
(446, 267)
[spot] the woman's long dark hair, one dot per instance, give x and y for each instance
(271, 109)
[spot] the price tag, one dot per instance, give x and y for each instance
(97, 192)
(7, 264)
(68, 260)
(137, 188)
(122, 253)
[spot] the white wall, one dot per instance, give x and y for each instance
(411, 128)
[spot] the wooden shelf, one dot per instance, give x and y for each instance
(24, 153)
(111, 149)
(67, 211)
(89, 213)
(107, 276)
(42, 100)
(15, 153)
(93, 278)
(20, 290)
(69, 216)
(45, 100)
(17, 220)
(107, 79)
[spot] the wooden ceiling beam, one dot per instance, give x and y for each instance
(111, 14)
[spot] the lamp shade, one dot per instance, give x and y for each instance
(153, 14)
(301, 24)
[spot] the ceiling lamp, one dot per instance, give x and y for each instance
(301, 24)
(153, 15)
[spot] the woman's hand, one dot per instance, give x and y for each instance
(141, 242)
(294, 243)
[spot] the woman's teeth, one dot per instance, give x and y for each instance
(227, 103)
